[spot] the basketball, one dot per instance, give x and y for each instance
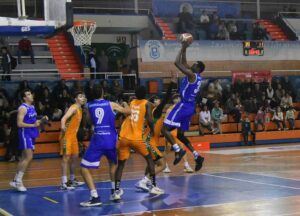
(186, 37)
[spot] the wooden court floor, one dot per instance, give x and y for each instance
(261, 180)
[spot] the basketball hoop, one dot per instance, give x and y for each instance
(82, 32)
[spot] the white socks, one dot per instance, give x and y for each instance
(19, 176)
(196, 154)
(94, 193)
(64, 179)
(176, 147)
(72, 177)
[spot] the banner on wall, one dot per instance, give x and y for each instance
(166, 51)
(171, 8)
(256, 76)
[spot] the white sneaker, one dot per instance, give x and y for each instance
(142, 184)
(156, 190)
(188, 169)
(116, 196)
(18, 185)
(67, 186)
(167, 170)
(76, 183)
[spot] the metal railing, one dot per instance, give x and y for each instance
(107, 10)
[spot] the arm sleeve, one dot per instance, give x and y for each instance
(158, 111)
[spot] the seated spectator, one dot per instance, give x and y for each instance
(260, 119)
(278, 119)
(186, 21)
(279, 92)
(264, 85)
(6, 64)
(246, 130)
(215, 17)
(204, 20)
(232, 29)
(290, 117)
(57, 91)
(223, 33)
(106, 88)
(286, 84)
(57, 114)
(213, 30)
(25, 49)
(217, 117)
(88, 90)
(205, 120)
(39, 90)
(227, 92)
(286, 101)
(247, 94)
(64, 100)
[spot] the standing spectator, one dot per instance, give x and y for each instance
(186, 21)
(260, 119)
(25, 49)
(6, 63)
(246, 130)
(290, 117)
(259, 33)
(217, 116)
(278, 119)
(12, 149)
(270, 92)
(88, 90)
(103, 62)
(93, 63)
(205, 120)
(204, 20)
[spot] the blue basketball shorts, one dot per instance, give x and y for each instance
(100, 145)
(180, 116)
(25, 140)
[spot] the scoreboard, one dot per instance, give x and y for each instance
(253, 48)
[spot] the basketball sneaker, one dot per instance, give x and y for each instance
(188, 169)
(76, 183)
(94, 201)
(167, 170)
(156, 190)
(18, 185)
(178, 156)
(199, 162)
(67, 186)
(114, 197)
(143, 185)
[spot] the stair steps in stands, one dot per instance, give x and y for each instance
(168, 34)
(274, 30)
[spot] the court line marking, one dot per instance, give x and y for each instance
(260, 174)
(253, 182)
(4, 213)
(51, 200)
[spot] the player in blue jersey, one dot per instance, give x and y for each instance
(27, 132)
(103, 141)
(180, 116)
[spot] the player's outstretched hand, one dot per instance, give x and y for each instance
(37, 123)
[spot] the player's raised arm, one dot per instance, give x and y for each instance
(119, 108)
(20, 120)
(68, 114)
(181, 63)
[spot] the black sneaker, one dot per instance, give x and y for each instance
(178, 156)
(199, 161)
(94, 201)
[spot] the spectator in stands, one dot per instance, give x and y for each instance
(39, 89)
(186, 22)
(3, 42)
(59, 88)
(57, 113)
(103, 62)
(278, 118)
(226, 93)
(286, 84)
(46, 102)
(117, 90)
(223, 33)
(76, 87)
(215, 17)
(270, 92)
(22, 85)
(25, 49)
(279, 92)
(259, 33)
(213, 30)
(205, 120)
(204, 20)
(64, 100)
(260, 119)
(264, 85)
(106, 88)
(217, 117)
(246, 130)
(274, 104)
(13, 144)
(238, 86)
(290, 117)
(88, 90)
(6, 63)
(233, 31)
(286, 101)
(297, 99)
(247, 94)
(93, 63)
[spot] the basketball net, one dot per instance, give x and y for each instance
(82, 32)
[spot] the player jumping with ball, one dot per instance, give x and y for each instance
(180, 116)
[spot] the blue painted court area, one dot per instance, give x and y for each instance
(181, 191)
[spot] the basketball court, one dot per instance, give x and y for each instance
(240, 181)
(255, 180)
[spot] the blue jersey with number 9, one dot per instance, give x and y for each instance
(188, 91)
(102, 116)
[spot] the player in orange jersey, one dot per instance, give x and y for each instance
(132, 136)
(68, 141)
